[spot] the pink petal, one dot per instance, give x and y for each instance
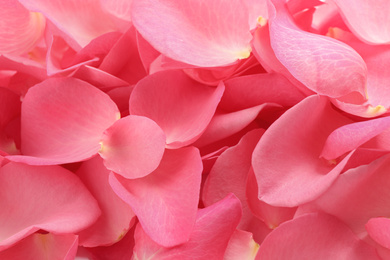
(286, 160)
(43, 246)
(213, 229)
(357, 195)
(241, 246)
(319, 62)
(63, 120)
(27, 28)
(349, 137)
(116, 218)
(166, 200)
(224, 125)
(182, 30)
(252, 90)
(42, 197)
(80, 20)
(379, 230)
(369, 22)
(119, 8)
(180, 106)
(133, 146)
(314, 236)
(9, 106)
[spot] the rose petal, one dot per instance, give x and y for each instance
(183, 32)
(42, 197)
(379, 230)
(166, 200)
(133, 146)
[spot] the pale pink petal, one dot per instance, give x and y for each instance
(322, 64)
(314, 236)
(23, 65)
(80, 20)
(63, 120)
(252, 90)
(272, 216)
(196, 32)
(116, 218)
(349, 137)
(357, 195)
(257, 12)
(42, 197)
(43, 246)
(379, 230)
(213, 229)
(180, 106)
(119, 8)
(241, 246)
(20, 29)
(286, 160)
(370, 22)
(133, 146)
(224, 125)
(166, 200)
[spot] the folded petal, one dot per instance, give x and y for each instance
(166, 200)
(212, 231)
(314, 236)
(369, 22)
(196, 32)
(63, 120)
(133, 146)
(43, 246)
(27, 28)
(241, 246)
(358, 195)
(116, 218)
(379, 230)
(286, 160)
(322, 64)
(80, 20)
(42, 197)
(179, 105)
(351, 136)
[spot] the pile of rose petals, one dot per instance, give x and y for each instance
(194, 129)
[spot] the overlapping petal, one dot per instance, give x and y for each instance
(196, 32)
(42, 197)
(166, 200)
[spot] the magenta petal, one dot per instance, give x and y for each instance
(63, 120)
(349, 137)
(213, 229)
(369, 22)
(43, 246)
(166, 200)
(133, 146)
(27, 28)
(116, 218)
(286, 160)
(42, 197)
(183, 31)
(379, 230)
(179, 105)
(314, 236)
(322, 64)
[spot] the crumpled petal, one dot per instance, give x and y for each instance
(43, 246)
(212, 231)
(314, 236)
(196, 32)
(42, 197)
(166, 200)
(283, 180)
(179, 105)
(116, 218)
(133, 146)
(63, 120)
